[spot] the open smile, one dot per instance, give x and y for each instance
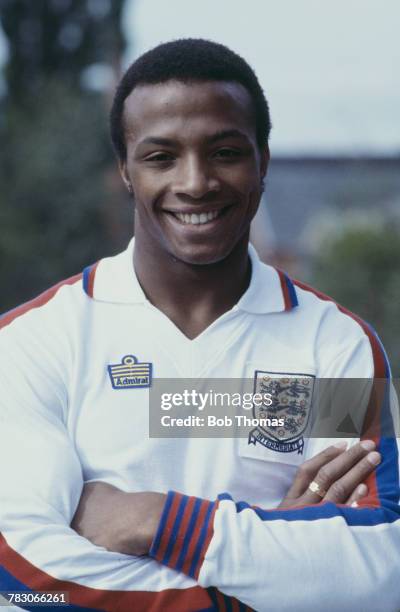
(202, 218)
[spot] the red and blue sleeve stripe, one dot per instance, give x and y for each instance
(383, 483)
(361, 516)
(37, 302)
(182, 539)
(11, 584)
(87, 276)
(224, 603)
(184, 533)
(16, 573)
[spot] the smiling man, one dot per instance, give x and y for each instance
(195, 171)
(196, 168)
(91, 505)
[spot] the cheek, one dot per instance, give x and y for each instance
(251, 191)
(140, 184)
(246, 180)
(254, 201)
(146, 190)
(252, 197)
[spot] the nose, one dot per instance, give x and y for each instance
(195, 179)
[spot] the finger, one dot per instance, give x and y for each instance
(358, 493)
(342, 488)
(309, 469)
(339, 466)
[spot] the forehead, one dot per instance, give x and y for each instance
(173, 105)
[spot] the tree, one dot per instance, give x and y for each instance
(360, 269)
(55, 167)
(57, 39)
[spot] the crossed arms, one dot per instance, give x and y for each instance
(247, 553)
(346, 556)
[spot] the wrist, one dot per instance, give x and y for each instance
(149, 506)
(154, 516)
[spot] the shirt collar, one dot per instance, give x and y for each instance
(113, 279)
(270, 290)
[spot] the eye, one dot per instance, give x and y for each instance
(160, 156)
(227, 153)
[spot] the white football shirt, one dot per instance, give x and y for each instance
(70, 412)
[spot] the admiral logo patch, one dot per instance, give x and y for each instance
(130, 373)
(291, 399)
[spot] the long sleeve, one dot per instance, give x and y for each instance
(40, 487)
(327, 556)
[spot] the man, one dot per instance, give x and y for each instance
(188, 299)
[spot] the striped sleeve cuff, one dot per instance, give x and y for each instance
(184, 533)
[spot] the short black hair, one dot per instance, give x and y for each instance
(188, 59)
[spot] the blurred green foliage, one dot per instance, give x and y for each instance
(57, 39)
(55, 158)
(52, 192)
(360, 267)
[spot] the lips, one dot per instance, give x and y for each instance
(197, 218)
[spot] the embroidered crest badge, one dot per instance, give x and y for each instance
(290, 400)
(130, 373)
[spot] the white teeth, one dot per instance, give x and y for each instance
(200, 219)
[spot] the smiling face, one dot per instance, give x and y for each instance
(194, 166)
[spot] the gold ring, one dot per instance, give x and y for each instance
(315, 488)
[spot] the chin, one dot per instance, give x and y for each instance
(201, 256)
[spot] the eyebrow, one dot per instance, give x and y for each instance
(228, 134)
(169, 142)
(164, 142)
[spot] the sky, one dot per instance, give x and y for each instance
(329, 69)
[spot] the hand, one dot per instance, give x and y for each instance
(338, 472)
(121, 522)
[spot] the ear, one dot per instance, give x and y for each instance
(264, 161)
(124, 175)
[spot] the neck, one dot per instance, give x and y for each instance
(192, 296)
